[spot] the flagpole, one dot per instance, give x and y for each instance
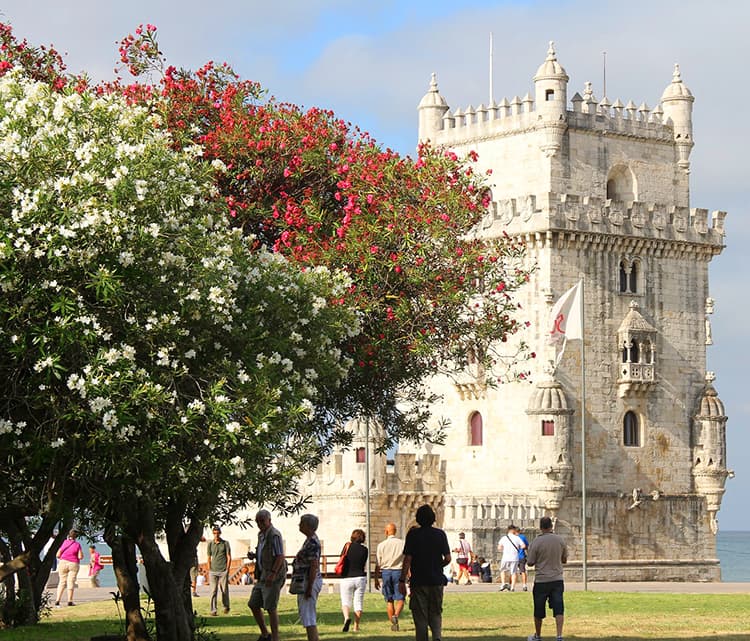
(583, 444)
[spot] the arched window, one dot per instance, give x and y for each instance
(623, 277)
(548, 428)
(633, 277)
(635, 356)
(475, 424)
(621, 185)
(631, 436)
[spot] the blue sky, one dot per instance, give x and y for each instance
(370, 61)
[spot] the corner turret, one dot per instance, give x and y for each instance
(551, 86)
(432, 108)
(710, 450)
(677, 102)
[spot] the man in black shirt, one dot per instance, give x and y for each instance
(426, 553)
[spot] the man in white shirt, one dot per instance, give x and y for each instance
(509, 546)
(388, 565)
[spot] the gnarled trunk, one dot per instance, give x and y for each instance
(126, 573)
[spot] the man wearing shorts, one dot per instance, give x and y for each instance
(270, 574)
(547, 553)
(509, 546)
(389, 559)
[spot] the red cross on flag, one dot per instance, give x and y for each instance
(566, 320)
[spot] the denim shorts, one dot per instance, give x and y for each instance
(389, 585)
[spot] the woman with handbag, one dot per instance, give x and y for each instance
(353, 579)
(69, 562)
(306, 580)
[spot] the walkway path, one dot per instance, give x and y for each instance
(86, 594)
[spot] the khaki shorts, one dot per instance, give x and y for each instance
(266, 597)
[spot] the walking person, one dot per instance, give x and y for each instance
(522, 559)
(389, 559)
(95, 566)
(270, 574)
(354, 579)
(69, 562)
(463, 558)
(548, 553)
(426, 553)
(307, 562)
(219, 560)
(509, 546)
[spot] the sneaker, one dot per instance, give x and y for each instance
(57, 604)
(512, 589)
(226, 610)
(533, 637)
(347, 623)
(525, 588)
(468, 583)
(71, 603)
(214, 613)
(394, 623)
(195, 594)
(504, 587)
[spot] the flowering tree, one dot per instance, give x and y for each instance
(432, 295)
(159, 368)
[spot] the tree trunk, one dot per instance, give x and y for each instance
(13, 523)
(126, 573)
(173, 620)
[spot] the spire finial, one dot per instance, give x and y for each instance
(551, 55)
(433, 82)
(710, 377)
(676, 77)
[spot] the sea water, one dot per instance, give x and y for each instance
(733, 549)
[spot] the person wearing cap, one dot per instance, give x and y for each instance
(426, 553)
(509, 546)
(522, 559)
(219, 560)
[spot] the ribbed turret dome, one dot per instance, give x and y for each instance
(677, 88)
(711, 405)
(550, 68)
(433, 98)
(548, 398)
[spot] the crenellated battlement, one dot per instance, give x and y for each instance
(520, 115)
(566, 212)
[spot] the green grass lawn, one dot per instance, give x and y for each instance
(493, 616)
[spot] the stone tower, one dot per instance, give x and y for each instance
(598, 191)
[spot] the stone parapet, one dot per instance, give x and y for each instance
(634, 222)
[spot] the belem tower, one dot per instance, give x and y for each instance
(599, 191)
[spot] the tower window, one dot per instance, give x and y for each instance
(360, 454)
(549, 94)
(631, 436)
(548, 428)
(629, 276)
(633, 279)
(475, 425)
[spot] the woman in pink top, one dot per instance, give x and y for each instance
(95, 566)
(69, 555)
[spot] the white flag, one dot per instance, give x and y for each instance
(566, 320)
